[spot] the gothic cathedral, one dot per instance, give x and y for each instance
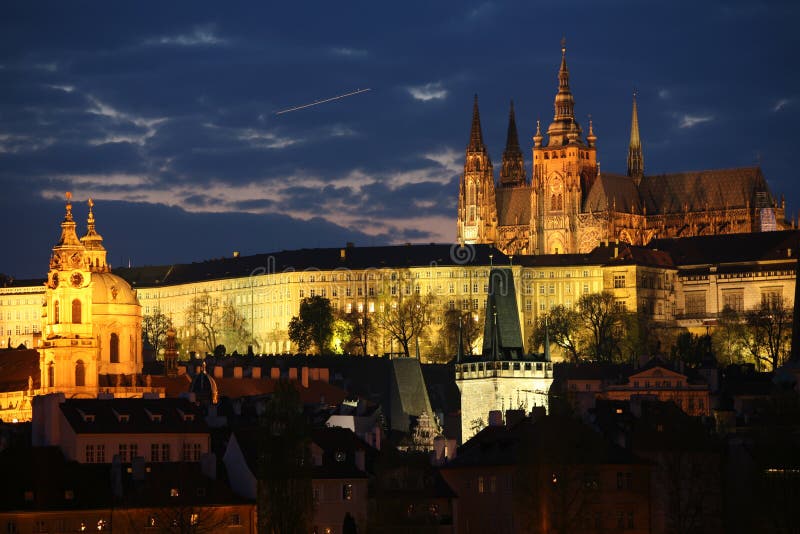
(569, 206)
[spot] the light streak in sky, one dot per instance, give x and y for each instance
(318, 102)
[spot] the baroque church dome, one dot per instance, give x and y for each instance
(111, 289)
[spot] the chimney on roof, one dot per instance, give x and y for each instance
(495, 418)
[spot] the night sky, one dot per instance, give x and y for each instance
(165, 113)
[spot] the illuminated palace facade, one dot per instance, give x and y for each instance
(676, 282)
(569, 206)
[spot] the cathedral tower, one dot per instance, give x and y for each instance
(512, 173)
(563, 172)
(477, 211)
(635, 157)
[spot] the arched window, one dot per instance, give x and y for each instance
(76, 311)
(51, 375)
(114, 348)
(80, 374)
(56, 312)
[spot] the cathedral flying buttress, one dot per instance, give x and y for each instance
(569, 206)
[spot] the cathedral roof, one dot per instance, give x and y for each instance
(678, 192)
(610, 190)
(702, 190)
(513, 205)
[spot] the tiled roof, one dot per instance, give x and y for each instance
(570, 440)
(502, 315)
(133, 416)
(610, 190)
(730, 248)
(701, 190)
(513, 205)
(400, 256)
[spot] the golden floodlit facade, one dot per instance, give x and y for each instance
(570, 206)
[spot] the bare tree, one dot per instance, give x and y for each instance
(604, 320)
(467, 324)
(154, 329)
(564, 328)
(215, 323)
(769, 332)
(405, 315)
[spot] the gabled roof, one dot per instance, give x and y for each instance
(409, 396)
(501, 332)
(613, 190)
(513, 205)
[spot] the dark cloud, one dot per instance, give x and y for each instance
(174, 104)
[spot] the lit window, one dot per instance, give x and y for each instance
(347, 492)
(174, 492)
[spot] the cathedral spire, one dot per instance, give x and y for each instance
(564, 129)
(635, 157)
(476, 135)
(512, 173)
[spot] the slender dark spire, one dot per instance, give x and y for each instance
(512, 173)
(475, 135)
(635, 157)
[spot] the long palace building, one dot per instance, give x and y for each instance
(677, 282)
(570, 206)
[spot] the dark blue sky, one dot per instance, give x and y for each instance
(165, 112)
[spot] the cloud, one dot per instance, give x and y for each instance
(664, 94)
(429, 91)
(64, 88)
(349, 52)
(690, 121)
(780, 104)
(448, 158)
(105, 110)
(199, 36)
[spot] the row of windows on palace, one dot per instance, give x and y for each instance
(159, 452)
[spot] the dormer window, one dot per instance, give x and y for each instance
(154, 417)
(340, 456)
(185, 417)
(122, 417)
(87, 417)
